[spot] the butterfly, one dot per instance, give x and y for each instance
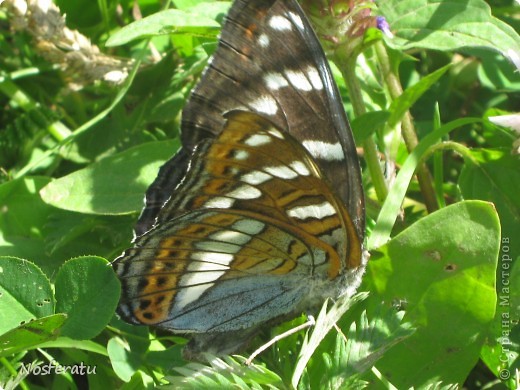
(260, 215)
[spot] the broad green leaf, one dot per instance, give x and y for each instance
(494, 175)
(34, 230)
(25, 214)
(25, 293)
(87, 290)
(139, 381)
(31, 334)
(407, 99)
(215, 10)
(166, 22)
(186, 5)
(114, 185)
(84, 345)
(124, 362)
(443, 269)
(166, 358)
(448, 25)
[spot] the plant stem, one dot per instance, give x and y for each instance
(464, 151)
(57, 129)
(407, 128)
(347, 67)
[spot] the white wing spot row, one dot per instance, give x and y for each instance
(265, 104)
(324, 150)
(280, 23)
(318, 211)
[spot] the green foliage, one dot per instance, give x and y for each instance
(455, 311)
(77, 155)
(449, 25)
(114, 185)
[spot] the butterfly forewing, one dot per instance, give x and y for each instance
(270, 62)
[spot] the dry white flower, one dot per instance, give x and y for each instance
(58, 44)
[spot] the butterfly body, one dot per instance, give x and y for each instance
(264, 220)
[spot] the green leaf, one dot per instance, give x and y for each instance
(139, 381)
(25, 293)
(493, 175)
(166, 358)
(443, 269)
(166, 22)
(495, 73)
(21, 227)
(84, 345)
(114, 185)
(88, 291)
(31, 334)
(448, 25)
(408, 98)
(124, 362)
(367, 124)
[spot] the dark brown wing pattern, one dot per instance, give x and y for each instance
(260, 215)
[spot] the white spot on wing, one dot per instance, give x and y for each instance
(245, 192)
(297, 20)
(202, 275)
(314, 77)
(324, 150)
(265, 104)
(231, 236)
(241, 155)
(336, 238)
(275, 81)
(300, 167)
(282, 172)
(217, 246)
(276, 133)
(249, 226)
(263, 40)
(219, 203)
(318, 211)
(280, 23)
(196, 266)
(199, 282)
(255, 177)
(213, 257)
(318, 257)
(298, 80)
(258, 140)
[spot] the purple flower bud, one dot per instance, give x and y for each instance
(383, 25)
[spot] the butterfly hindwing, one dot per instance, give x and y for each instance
(254, 204)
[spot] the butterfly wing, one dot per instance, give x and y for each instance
(253, 202)
(269, 62)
